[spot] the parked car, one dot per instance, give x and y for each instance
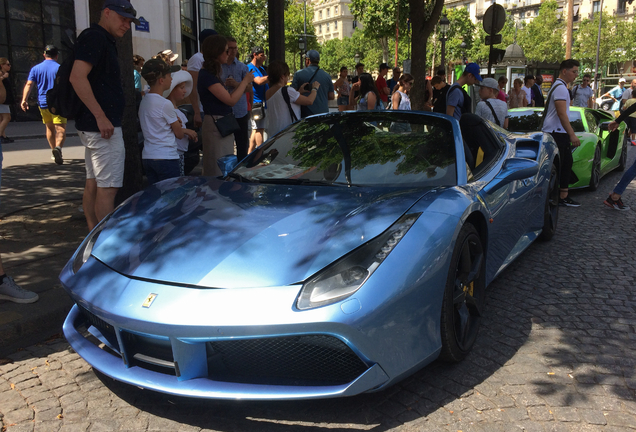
(337, 258)
(600, 151)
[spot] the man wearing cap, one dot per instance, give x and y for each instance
(260, 84)
(97, 81)
(457, 100)
(616, 93)
(309, 74)
(43, 76)
(195, 63)
(233, 73)
(490, 107)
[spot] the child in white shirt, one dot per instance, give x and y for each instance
(159, 124)
(180, 89)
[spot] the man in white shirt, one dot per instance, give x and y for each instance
(528, 82)
(557, 124)
(582, 94)
(627, 94)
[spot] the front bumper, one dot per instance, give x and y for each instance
(190, 374)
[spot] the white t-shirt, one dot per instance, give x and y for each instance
(583, 94)
(552, 123)
(278, 112)
(528, 94)
(195, 64)
(156, 114)
(183, 143)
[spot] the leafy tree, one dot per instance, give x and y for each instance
(223, 11)
(542, 38)
(379, 18)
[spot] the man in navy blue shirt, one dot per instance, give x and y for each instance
(43, 76)
(260, 84)
(97, 81)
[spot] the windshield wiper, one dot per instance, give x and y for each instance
(302, 182)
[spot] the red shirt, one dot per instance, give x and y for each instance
(502, 96)
(380, 83)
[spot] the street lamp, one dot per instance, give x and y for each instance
(444, 26)
(302, 46)
(356, 59)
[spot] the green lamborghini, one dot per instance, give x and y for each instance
(600, 151)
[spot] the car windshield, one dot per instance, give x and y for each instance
(357, 149)
(528, 120)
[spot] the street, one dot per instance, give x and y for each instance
(556, 352)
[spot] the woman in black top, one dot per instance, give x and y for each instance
(6, 99)
(217, 101)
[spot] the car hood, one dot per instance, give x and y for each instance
(211, 233)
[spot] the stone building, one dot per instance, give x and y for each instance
(333, 19)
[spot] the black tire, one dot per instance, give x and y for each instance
(551, 209)
(464, 296)
(595, 174)
(607, 105)
(622, 162)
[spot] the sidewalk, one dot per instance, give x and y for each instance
(34, 129)
(40, 228)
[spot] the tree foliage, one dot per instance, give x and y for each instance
(542, 38)
(379, 18)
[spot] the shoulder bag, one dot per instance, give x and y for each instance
(304, 109)
(258, 108)
(492, 110)
(292, 114)
(547, 104)
(227, 125)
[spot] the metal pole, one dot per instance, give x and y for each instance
(444, 53)
(598, 47)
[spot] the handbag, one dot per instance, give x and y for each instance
(227, 125)
(258, 111)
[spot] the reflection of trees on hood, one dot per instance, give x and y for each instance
(317, 145)
(524, 123)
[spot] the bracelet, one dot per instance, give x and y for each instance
(314, 89)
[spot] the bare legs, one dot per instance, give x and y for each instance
(97, 202)
(5, 118)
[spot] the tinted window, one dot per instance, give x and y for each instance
(362, 149)
(528, 121)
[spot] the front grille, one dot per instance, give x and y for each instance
(107, 330)
(299, 360)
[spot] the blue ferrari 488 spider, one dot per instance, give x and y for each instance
(345, 253)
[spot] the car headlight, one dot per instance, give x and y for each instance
(348, 274)
(85, 249)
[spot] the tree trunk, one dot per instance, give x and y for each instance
(133, 177)
(422, 27)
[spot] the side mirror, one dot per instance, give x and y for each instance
(604, 126)
(513, 169)
(226, 164)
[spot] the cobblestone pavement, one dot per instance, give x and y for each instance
(557, 352)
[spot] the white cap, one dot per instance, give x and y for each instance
(621, 80)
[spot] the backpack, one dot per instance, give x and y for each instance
(467, 107)
(61, 98)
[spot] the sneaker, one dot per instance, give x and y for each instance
(568, 202)
(615, 204)
(57, 155)
(633, 143)
(9, 290)
(6, 140)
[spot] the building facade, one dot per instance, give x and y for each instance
(333, 19)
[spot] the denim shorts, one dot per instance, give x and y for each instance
(161, 169)
(343, 100)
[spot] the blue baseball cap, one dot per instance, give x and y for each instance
(123, 8)
(313, 56)
(474, 69)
